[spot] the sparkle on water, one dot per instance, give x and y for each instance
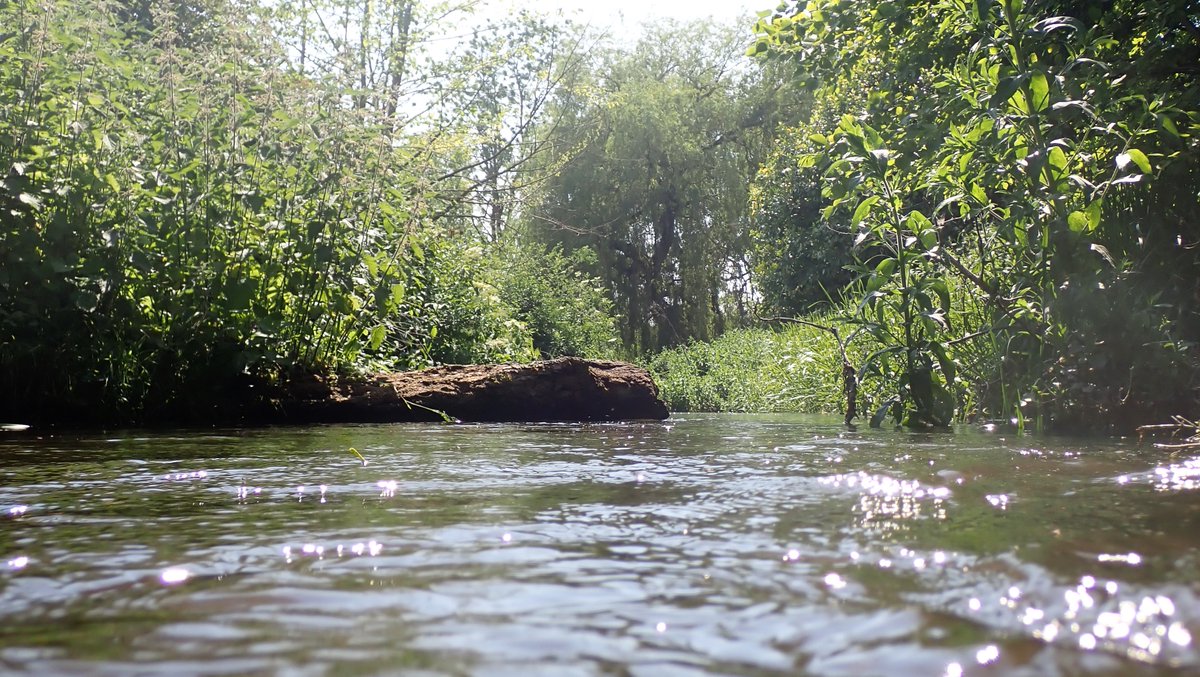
(175, 575)
(710, 544)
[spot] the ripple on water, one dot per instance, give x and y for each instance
(1129, 620)
(887, 504)
(719, 546)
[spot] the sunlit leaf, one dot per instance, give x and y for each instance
(863, 209)
(1169, 125)
(1039, 88)
(886, 268)
(1057, 160)
(1093, 212)
(1005, 90)
(1139, 158)
(1078, 222)
(378, 334)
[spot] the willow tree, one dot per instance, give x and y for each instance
(667, 136)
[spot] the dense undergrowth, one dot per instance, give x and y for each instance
(790, 369)
(187, 214)
(1018, 184)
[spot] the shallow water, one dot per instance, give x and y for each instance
(702, 545)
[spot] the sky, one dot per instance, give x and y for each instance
(630, 14)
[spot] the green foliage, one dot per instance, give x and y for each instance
(451, 313)
(182, 214)
(566, 312)
(800, 259)
(794, 369)
(665, 140)
(1040, 158)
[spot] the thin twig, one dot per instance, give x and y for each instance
(849, 373)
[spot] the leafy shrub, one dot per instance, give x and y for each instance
(565, 311)
(800, 258)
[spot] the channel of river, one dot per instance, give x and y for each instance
(706, 544)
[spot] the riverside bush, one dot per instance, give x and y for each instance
(795, 368)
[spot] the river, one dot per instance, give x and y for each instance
(706, 544)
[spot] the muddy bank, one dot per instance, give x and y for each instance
(564, 389)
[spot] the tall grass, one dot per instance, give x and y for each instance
(789, 369)
(797, 366)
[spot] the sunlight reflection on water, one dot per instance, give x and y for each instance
(713, 544)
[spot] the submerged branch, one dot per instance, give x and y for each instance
(1180, 426)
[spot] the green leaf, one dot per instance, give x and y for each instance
(945, 360)
(1139, 158)
(1169, 125)
(882, 412)
(95, 100)
(873, 138)
(30, 199)
(1078, 222)
(979, 10)
(979, 194)
(886, 268)
(863, 209)
(1058, 162)
(378, 334)
(1093, 213)
(1039, 87)
(1005, 90)
(917, 222)
(942, 290)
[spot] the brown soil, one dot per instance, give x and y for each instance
(564, 389)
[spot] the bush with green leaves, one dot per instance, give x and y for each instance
(1041, 157)
(182, 214)
(567, 312)
(800, 259)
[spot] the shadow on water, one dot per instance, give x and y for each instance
(704, 544)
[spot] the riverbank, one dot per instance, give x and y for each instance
(562, 389)
(797, 368)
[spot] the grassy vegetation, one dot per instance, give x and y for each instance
(794, 368)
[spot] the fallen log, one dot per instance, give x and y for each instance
(563, 389)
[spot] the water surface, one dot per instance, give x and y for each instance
(742, 545)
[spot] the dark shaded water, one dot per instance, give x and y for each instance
(705, 545)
